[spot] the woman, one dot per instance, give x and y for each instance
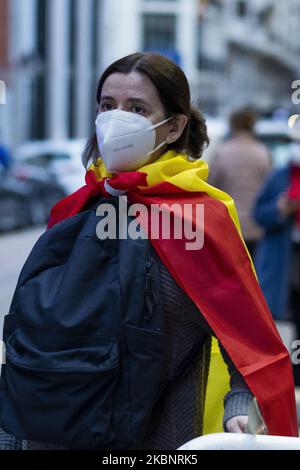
(151, 139)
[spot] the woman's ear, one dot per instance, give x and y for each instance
(176, 127)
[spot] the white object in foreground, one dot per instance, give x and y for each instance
(234, 441)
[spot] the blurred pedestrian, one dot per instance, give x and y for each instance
(239, 168)
(277, 261)
(5, 157)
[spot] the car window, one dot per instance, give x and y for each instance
(48, 159)
(279, 146)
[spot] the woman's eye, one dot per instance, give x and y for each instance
(137, 109)
(106, 107)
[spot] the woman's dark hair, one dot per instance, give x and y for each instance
(174, 92)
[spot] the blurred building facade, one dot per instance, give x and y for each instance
(234, 52)
(4, 11)
(263, 52)
(52, 65)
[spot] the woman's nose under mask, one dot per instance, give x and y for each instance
(126, 140)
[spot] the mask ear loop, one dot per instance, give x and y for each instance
(162, 143)
(156, 148)
(159, 123)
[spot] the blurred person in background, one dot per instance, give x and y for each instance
(5, 157)
(277, 260)
(239, 168)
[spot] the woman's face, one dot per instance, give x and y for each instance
(136, 93)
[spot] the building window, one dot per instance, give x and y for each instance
(159, 32)
(38, 121)
(241, 8)
(72, 32)
(37, 129)
(41, 18)
(97, 6)
(94, 32)
(211, 52)
(72, 73)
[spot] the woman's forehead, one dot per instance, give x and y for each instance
(126, 86)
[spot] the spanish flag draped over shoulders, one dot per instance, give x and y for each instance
(219, 278)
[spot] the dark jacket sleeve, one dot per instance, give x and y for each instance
(265, 210)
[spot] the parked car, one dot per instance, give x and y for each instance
(13, 212)
(277, 136)
(42, 173)
(26, 198)
(61, 160)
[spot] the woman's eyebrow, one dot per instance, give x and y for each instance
(139, 100)
(135, 100)
(106, 97)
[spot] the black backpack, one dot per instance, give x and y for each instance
(84, 339)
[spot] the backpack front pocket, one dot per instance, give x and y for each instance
(60, 389)
(145, 352)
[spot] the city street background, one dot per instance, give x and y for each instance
(235, 53)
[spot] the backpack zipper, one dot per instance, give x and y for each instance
(148, 277)
(147, 310)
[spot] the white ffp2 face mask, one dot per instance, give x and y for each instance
(126, 140)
